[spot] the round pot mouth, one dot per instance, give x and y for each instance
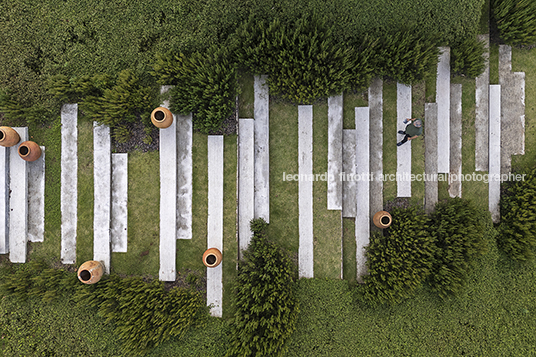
(159, 116)
(2, 135)
(85, 275)
(211, 259)
(24, 150)
(385, 220)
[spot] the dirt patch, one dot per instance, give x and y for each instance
(399, 202)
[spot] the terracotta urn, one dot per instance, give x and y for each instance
(161, 117)
(29, 151)
(212, 257)
(90, 272)
(382, 219)
(8, 136)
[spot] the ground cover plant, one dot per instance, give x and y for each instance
(515, 21)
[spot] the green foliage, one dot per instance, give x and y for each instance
(266, 308)
(258, 225)
(457, 228)
(515, 20)
(399, 262)
(466, 57)
(517, 232)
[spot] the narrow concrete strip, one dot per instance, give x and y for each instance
(349, 170)
(36, 199)
(184, 175)
(375, 98)
(455, 182)
(69, 182)
(4, 200)
(403, 152)
(430, 156)
(363, 188)
(215, 222)
(481, 113)
(168, 198)
(335, 152)
(494, 151)
(102, 177)
(305, 191)
(246, 181)
(262, 149)
(505, 63)
(443, 110)
(119, 227)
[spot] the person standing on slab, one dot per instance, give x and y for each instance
(412, 131)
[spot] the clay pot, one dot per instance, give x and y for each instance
(8, 136)
(212, 257)
(29, 151)
(382, 219)
(162, 117)
(90, 272)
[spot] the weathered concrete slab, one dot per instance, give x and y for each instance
(4, 200)
(69, 182)
(305, 191)
(363, 185)
(119, 226)
(335, 153)
(168, 198)
(262, 149)
(215, 221)
(403, 152)
(349, 169)
(375, 98)
(246, 180)
(184, 175)
(481, 113)
(443, 110)
(430, 156)
(102, 183)
(494, 151)
(36, 199)
(512, 118)
(505, 62)
(455, 182)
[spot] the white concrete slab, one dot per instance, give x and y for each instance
(335, 153)
(18, 202)
(69, 182)
(362, 220)
(443, 110)
(430, 156)
(455, 182)
(262, 149)
(305, 191)
(215, 222)
(4, 200)
(481, 112)
(349, 170)
(246, 180)
(403, 152)
(36, 199)
(119, 226)
(494, 151)
(184, 176)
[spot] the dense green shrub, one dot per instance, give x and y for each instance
(466, 57)
(399, 261)
(517, 232)
(265, 302)
(458, 228)
(515, 20)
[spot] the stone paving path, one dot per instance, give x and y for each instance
(494, 150)
(481, 113)
(403, 152)
(430, 156)
(335, 152)
(36, 199)
(455, 183)
(119, 225)
(375, 154)
(363, 187)
(262, 148)
(184, 128)
(4, 200)
(349, 169)
(443, 110)
(246, 180)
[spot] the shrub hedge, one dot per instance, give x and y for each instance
(515, 20)
(466, 57)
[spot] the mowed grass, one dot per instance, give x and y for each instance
(84, 234)
(390, 137)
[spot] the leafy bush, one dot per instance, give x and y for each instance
(399, 262)
(457, 228)
(466, 58)
(265, 302)
(515, 20)
(517, 231)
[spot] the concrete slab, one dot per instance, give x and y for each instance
(375, 98)
(363, 188)
(215, 222)
(481, 113)
(455, 183)
(168, 198)
(18, 202)
(4, 200)
(69, 182)
(119, 226)
(262, 149)
(184, 175)
(443, 110)
(305, 191)
(494, 151)
(335, 153)
(246, 180)
(430, 156)
(512, 118)
(505, 62)
(102, 194)
(36, 199)
(403, 152)
(349, 169)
